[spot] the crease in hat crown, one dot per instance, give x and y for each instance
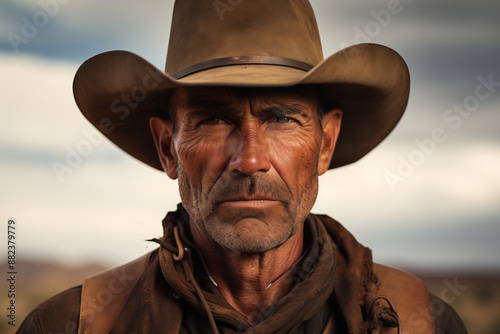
(252, 28)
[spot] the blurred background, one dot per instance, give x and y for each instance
(427, 200)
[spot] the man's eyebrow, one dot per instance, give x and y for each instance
(210, 105)
(289, 109)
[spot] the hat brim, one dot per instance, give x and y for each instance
(118, 92)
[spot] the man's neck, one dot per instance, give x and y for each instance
(251, 282)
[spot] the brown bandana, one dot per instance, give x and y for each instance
(303, 301)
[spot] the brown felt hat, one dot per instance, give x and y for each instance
(258, 43)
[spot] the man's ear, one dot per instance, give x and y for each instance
(331, 130)
(163, 136)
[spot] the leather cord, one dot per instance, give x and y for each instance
(379, 315)
(180, 257)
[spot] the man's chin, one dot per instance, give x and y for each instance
(251, 247)
(250, 235)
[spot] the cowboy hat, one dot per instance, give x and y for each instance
(258, 43)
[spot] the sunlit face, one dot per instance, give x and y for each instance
(247, 162)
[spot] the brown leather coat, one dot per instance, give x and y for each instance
(372, 298)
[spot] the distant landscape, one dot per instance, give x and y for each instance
(475, 296)
(476, 300)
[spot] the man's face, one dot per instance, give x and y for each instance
(247, 162)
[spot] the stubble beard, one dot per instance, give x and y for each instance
(221, 227)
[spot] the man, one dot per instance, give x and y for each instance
(247, 116)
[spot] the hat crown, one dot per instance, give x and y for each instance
(203, 30)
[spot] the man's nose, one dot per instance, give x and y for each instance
(250, 154)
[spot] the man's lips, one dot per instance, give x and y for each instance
(248, 198)
(256, 201)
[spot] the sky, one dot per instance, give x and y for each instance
(428, 197)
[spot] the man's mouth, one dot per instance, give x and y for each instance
(254, 197)
(255, 201)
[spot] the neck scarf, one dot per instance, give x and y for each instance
(313, 286)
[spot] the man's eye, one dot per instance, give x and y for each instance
(282, 119)
(213, 120)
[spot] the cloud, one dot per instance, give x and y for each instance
(445, 42)
(450, 183)
(468, 240)
(76, 30)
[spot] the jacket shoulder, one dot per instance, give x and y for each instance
(104, 295)
(446, 320)
(58, 314)
(409, 297)
(69, 310)
(396, 280)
